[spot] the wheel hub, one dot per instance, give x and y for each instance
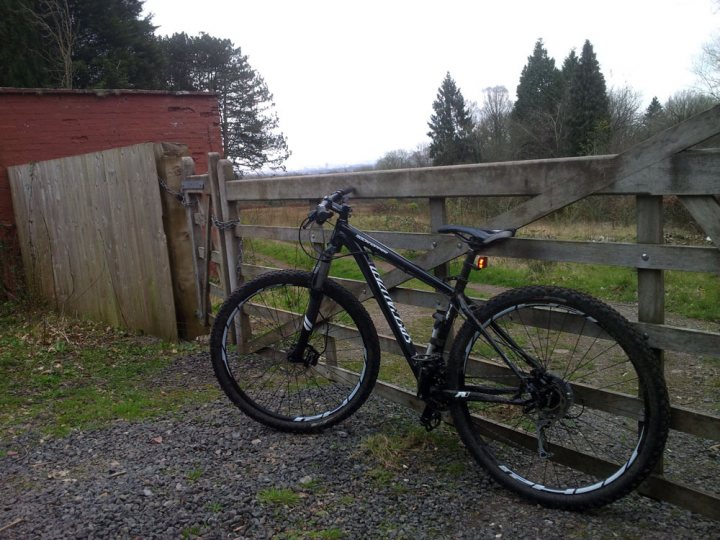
(553, 397)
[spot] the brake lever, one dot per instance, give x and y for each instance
(310, 219)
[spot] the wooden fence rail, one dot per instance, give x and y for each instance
(661, 166)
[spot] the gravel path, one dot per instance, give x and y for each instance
(210, 472)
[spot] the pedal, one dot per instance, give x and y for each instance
(430, 418)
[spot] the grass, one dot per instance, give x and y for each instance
(278, 496)
(324, 534)
(59, 374)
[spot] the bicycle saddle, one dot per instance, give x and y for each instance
(477, 237)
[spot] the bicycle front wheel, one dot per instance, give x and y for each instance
(256, 330)
(590, 409)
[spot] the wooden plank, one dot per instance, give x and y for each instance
(688, 173)
(649, 256)
(661, 336)
(639, 255)
(206, 304)
(661, 146)
(705, 211)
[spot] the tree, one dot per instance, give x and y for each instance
(249, 124)
(587, 117)
(493, 124)
(625, 118)
(115, 47)
(451, 127)
(56, 25)
(404, 159)
(654, 118)
(79, 44)
(685, 104)
(536, 113)
(24, 62)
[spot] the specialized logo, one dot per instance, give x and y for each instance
(372, 244)
(390, 304)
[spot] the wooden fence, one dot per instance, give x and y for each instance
(659, 167)
(92, 239)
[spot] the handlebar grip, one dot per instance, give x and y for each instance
(339, 194)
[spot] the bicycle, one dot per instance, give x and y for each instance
(554, 393)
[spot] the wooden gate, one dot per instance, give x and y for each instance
(659, 167)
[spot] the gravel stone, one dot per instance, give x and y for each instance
(206, 476)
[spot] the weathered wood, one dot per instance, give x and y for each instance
(195, 233)
(706, 211)
(656, 148)
(658, 257)
(206, 305)
(661, 336)
(171, 164)
(438, 218)
(688, 173)
(227, 275)
(233, 244)
(651, 283)
(91, 231)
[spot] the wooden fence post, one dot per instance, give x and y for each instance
(213, 161)
(651, 283)
(170, 168)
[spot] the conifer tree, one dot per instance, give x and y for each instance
(451, 127)
(249, 124)
(654, 117)
(536, 113)
(588, 117)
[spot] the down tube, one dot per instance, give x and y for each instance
(377, 286)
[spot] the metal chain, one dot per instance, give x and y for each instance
(224, 225)
(187, 201)
(181, 198)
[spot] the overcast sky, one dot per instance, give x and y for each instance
(353, 80)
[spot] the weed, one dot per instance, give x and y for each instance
(383, 477)
(215, 507)
(194, 475)
(192, 531)
(278, 496)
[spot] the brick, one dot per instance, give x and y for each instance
(54, 124)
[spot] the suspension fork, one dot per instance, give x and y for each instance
(319, 275)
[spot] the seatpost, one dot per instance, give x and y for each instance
(467, 267)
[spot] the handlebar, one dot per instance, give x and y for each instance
(329, 204)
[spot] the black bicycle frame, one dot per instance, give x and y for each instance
(361, 246)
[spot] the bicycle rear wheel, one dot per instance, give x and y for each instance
(595, 410)
(340, 364)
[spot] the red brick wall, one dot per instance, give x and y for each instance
(37, 125)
